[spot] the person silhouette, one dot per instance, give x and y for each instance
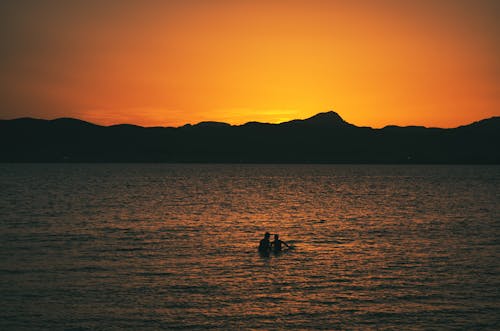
(276, 245)
(265, 244)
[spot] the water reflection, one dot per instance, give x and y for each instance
(175, 246)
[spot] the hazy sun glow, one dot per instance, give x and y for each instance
(164, 63)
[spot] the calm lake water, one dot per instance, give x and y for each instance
(150, 247)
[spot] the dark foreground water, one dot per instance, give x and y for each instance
(147, 247)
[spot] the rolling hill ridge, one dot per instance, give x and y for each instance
(323, 138)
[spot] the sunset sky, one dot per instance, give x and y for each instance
(171, 62)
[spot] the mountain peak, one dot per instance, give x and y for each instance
(325, 119)
(74, 122)
(212, 124)
(329, 116)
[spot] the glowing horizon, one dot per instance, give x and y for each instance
(157, 63)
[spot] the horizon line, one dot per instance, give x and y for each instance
(243, 124)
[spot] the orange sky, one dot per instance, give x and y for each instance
(167, 63)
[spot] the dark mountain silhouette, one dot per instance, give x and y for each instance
(323, 138)
(322, 120)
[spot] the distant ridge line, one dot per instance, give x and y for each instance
(319, 117)
(322, 138)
